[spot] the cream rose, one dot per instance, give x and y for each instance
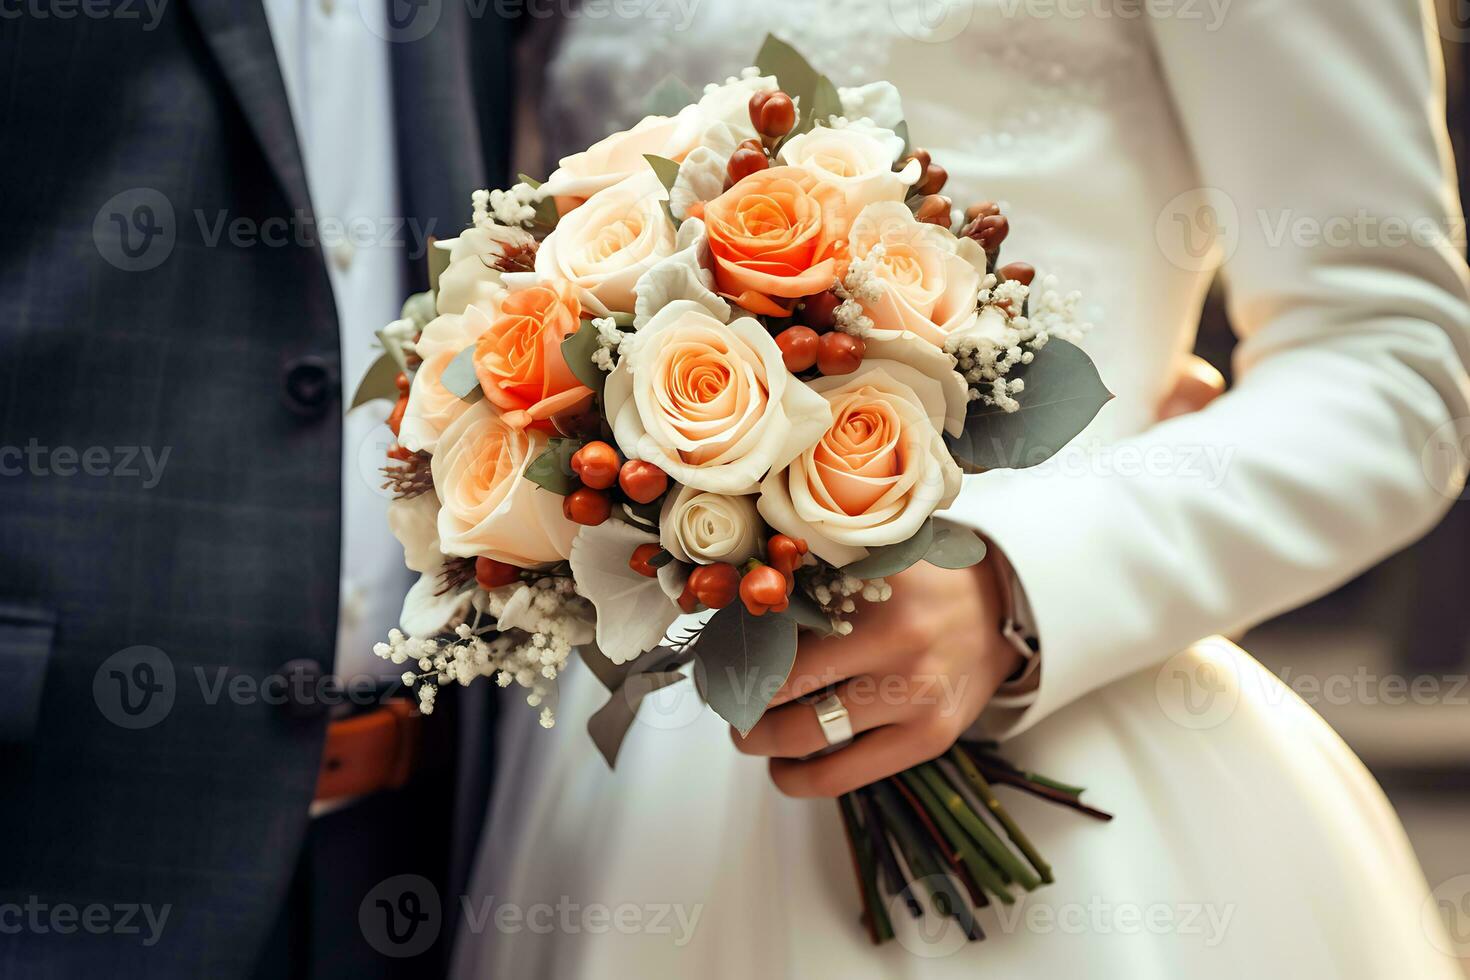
(471, 278)
(878, 473)
(427, 609)
(621, 155)
(488, 507)
(703, 528)
(431, 406)
(710, 403)
(914, 276)
(605, 245)
(856, 160)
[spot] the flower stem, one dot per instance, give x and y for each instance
(987, 796)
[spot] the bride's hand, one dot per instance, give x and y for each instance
(914, 674)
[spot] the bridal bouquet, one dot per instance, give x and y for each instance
(733, 361)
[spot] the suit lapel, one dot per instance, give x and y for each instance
(239, 38)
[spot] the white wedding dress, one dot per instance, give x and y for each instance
(1249, 842)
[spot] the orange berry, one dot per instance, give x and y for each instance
(1022, 272)
(840, 353)
(596, 464)
(395, 418)
(798, 347)
(785, 553)
(492, 574)
(933, 180)
(744, 162)
(642, 481)
(688, 601)
(773, 113)
(639, 561)
(715, 585)
(934, 210)
(587, 506)
(399, 453)
(763, 590)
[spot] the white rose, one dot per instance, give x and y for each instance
(605, 245)
(471, 278)
(857, 160)
(616, 157)
(876, 101)
(427, 610)
(488, 507)
(878, 473)
(704, 528)
(432, 407)
(922, 279)
(710, 403)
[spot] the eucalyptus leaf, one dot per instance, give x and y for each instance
(1063, 393)
(667, 172)
(826, 103)
(668, 97)
(552, 470)
(793, 72)
(955, 546)
(392, 348)
(529, 181)
(546, 214)
(902, 131)
(807, 614)
(577, 350)
(438, 260)
(741, 662)
(458, 376)
(894, 558)
(380, 381)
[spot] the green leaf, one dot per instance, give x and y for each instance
(661, 558)
(552, 470)
(668, 97)
(528, 180)
(954, 546)
(668, 172)
(577, 350)
(420, 307)
(902, 131)
(438, 259)
(825, 102)
(393, 349)
(380, 381)
(458, 377)
(742, 661)
(807, 614)
(894, 558)
(1063, 394)
(546, 213)
(793, 72)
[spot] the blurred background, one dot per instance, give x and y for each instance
(1386, 658)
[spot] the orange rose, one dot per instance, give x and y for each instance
(518, 357)
(776, 236)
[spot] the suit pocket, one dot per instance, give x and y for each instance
(26, 633)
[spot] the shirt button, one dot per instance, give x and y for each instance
(328, 6)
(343, 253)
(308, 386)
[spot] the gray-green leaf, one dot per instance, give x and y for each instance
(458, 377)
(668, 97)
(894, 558)
(577, 350)
(955, 546)
(1063, 394)
(380, 381)
(742, 661)
(552, 470)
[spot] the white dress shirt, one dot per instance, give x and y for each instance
(338, 81)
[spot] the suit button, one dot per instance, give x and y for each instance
(308, 385)
(303, 689)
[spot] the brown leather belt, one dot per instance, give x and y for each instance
(369, 752)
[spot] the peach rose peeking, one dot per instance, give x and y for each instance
(916, 277)
(774, 237)
(518, 358)
(878, 472)
(487, 506)
(710, 403)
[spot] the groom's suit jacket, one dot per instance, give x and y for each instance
(170, 453)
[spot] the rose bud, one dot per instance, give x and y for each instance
(1021, 272)
(642, 481)
(785, 553)
(596, 465)
(639, 561)
(587, 506)
(933, 180)
(840, 353)
(763, 590)
(819, 311)
(492, 574)
(715, 585)
(798, 347)
(934, 210)
(773, 114)
(744, 162)
(579, 420)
